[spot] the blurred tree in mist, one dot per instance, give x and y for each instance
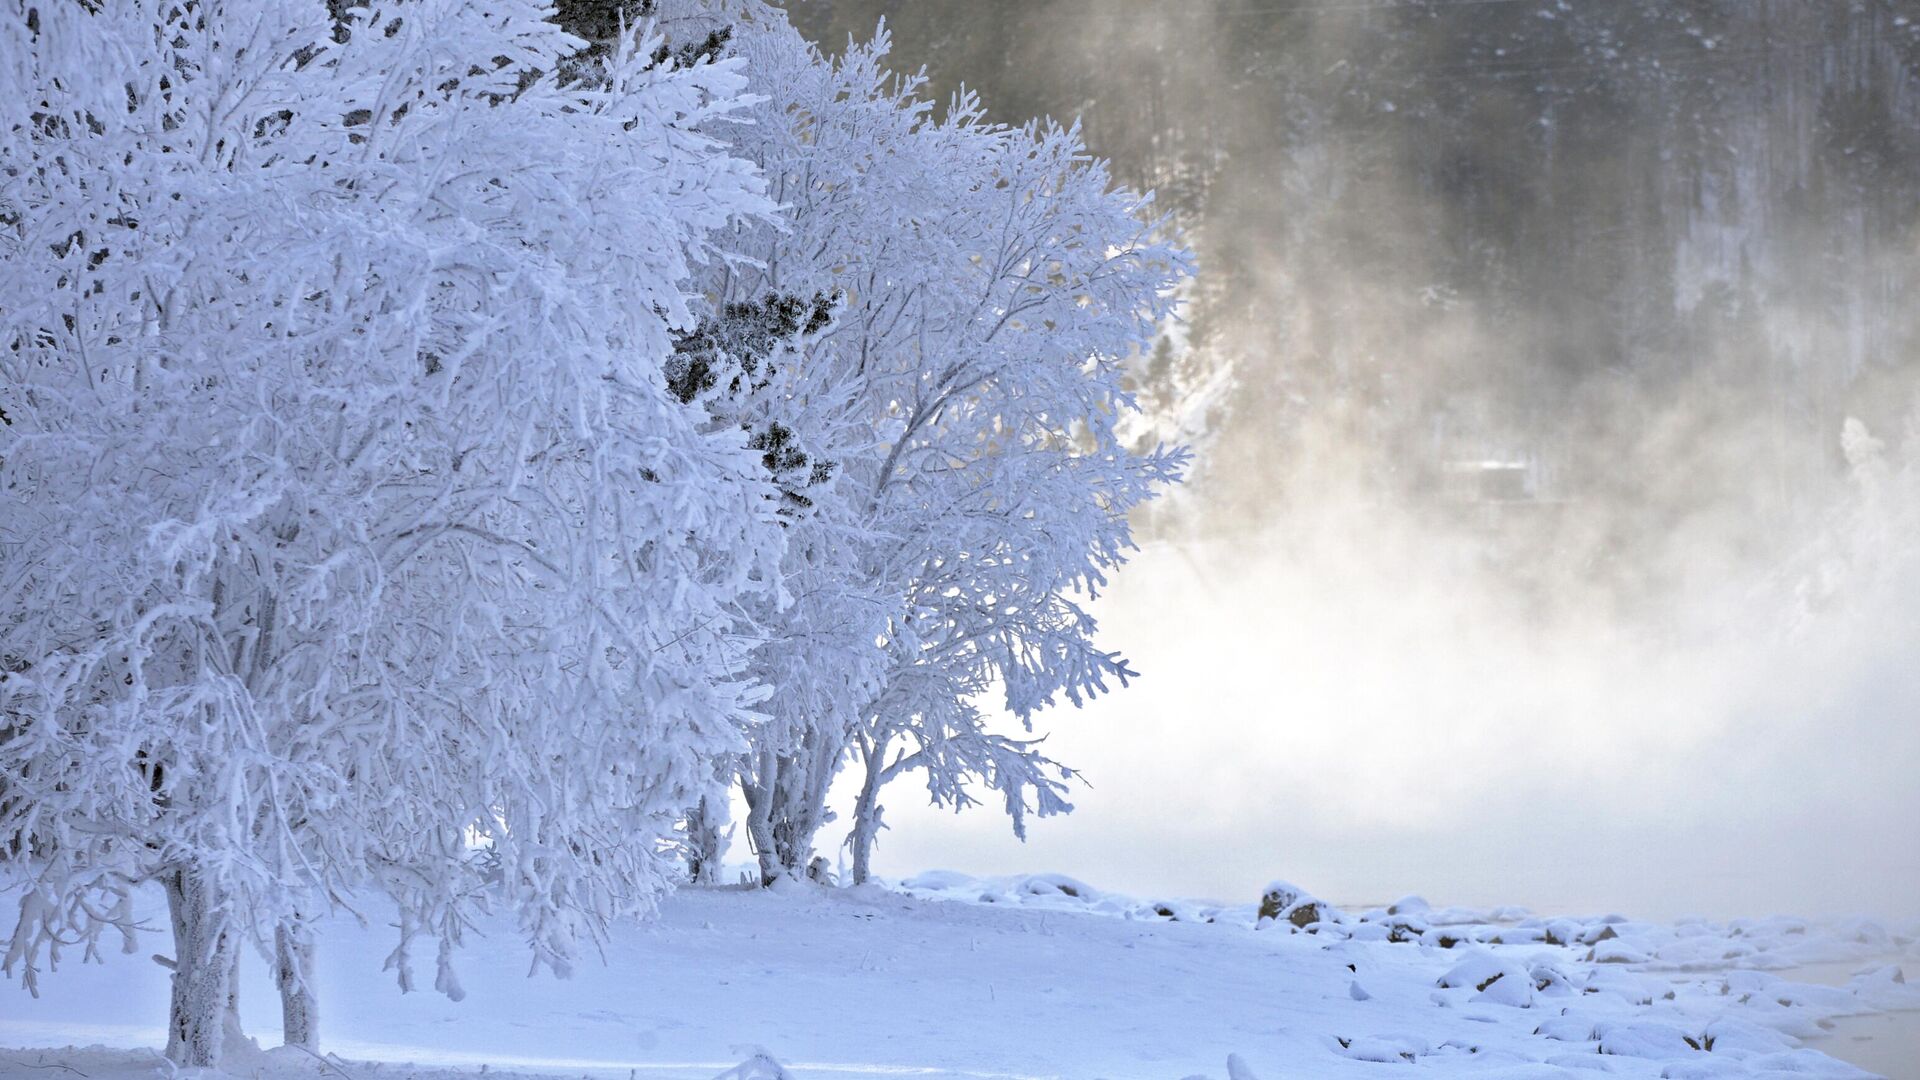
(1619, 240)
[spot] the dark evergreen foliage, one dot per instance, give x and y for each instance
(600, 20)
(729, 357)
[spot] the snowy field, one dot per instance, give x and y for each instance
(949, 976)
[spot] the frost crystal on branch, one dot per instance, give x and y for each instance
(352, 534)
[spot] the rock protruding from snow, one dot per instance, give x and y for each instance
(1384, 1049)
(1494, 980)
(1281, 901)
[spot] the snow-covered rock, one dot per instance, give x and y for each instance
(1284, 902)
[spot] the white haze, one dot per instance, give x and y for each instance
(1367, 736)
(1358, 705)
(1655, 695)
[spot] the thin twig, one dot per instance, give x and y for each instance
(323, 1061)
(53, 1065)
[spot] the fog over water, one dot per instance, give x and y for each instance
(1531, 556)
(1369, 745)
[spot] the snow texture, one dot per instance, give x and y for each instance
(947, 975)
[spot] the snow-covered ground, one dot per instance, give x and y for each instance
(1042, 976)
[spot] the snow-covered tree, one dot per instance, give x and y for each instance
(987, 284)
(747, 366)
(351, 533)
(944, 736)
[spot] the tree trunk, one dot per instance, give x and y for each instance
(205, 953)
(864, 830)
(293, 971)
(703, 843)
(787, 806)
(760, 798)
(800, 798)
(235, 1033)
(866, 815)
